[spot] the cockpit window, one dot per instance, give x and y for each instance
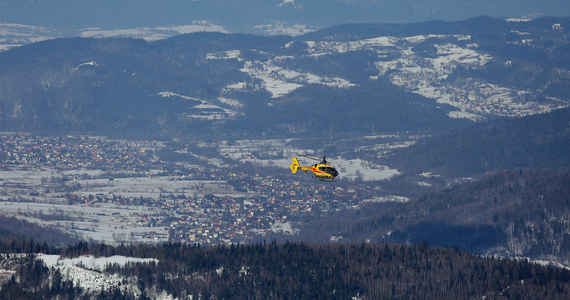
(329, 170)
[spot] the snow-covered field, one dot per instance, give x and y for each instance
(280, 81)
(426, 76)
(207, 110)
(133, 207)
(90, 262)
(153, 187)
(106, 222)
(279, 153)
(275, 77)
(23, 194)
(353, 169)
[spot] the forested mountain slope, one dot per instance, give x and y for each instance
(420, 77)
(540, 141)
(290, 270)
(18, 229)
(511, 213)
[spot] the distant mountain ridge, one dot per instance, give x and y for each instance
(15, 35)
(425, 76)
(252, 15)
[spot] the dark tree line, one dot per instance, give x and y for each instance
(302, 271)
(14, 228)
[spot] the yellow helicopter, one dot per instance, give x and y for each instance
(322, 170)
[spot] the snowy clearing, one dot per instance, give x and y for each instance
(473, 99)
(87, 271)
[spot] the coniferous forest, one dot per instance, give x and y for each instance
(292, 271)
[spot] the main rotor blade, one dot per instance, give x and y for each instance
(317, 159)
(309, 157)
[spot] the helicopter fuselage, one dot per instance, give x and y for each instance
(322, 171)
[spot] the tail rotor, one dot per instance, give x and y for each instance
(294, 165)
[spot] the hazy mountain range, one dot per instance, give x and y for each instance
(420, 76)
(258, 15)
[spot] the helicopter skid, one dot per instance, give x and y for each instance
(326, 179)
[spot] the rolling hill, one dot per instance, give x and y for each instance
(419, 77)
(519, 213)
(539, 141)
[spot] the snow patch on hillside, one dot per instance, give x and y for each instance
(518, 20)
(87, 271)
(280, 81)
(231, 54)
(391, 198)
(285, 2)
(427, 75)
(357, 169)
(85, 64)
(92, 263)
(456, 114)
(206, 110)
(231, 102)
(274, 76)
